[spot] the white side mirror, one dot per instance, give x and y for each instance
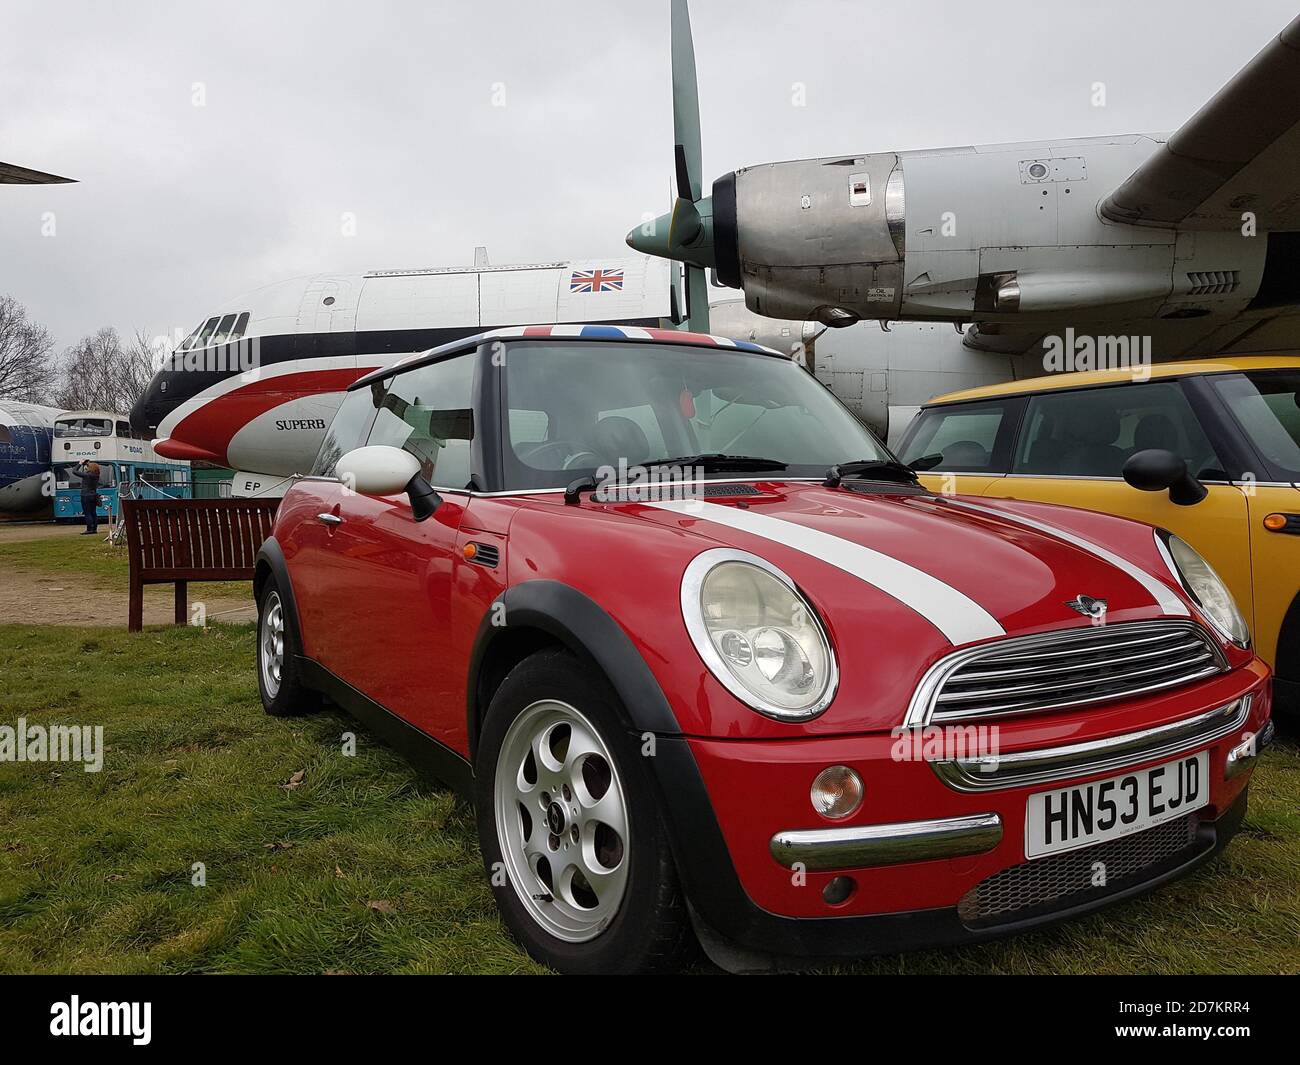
(378, 470)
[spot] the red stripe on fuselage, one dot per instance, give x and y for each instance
(207, 432)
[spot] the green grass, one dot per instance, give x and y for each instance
(95, 869)
(92, 559)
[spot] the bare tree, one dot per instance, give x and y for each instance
(102, 373)
(27, 372)
(141, 360)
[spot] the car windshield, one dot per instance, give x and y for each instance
(575, 408)
(1267, 406)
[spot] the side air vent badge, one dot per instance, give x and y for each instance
(488, 555)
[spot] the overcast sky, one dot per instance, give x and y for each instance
(386, 110)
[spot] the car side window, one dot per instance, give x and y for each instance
(346, 432)
(428, 411)
(1093, 432)
(965, 435)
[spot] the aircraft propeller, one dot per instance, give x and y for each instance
(684, 234)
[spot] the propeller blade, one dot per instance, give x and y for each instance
(697, 299)
(686, 105)
(686, 224)
(686, 232)
(675, 315)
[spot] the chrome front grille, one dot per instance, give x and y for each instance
(1065, 668)
(1066, 879)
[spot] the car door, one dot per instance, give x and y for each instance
(1072, 446)
(314, 557)
(390, 591)
(962, 448)
(1264, 405)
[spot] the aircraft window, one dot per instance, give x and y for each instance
(964, 435)
(223, 330)
(1092, 432)
(428, 412)
(205, 334)
(191, 340)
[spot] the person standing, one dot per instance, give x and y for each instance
(89, 473)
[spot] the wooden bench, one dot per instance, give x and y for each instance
(175, 541)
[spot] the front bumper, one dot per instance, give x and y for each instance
(933, 863)
(860, 846)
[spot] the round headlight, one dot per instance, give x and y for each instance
(1206, 587)
(758, 635)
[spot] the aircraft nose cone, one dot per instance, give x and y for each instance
(143, 411)
(651, 238)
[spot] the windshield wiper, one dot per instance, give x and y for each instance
(716, 460)
(710, 461)
(872, 469)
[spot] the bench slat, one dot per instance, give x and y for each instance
(182, 540)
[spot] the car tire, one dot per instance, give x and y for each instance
(612, 901)
(278, 675)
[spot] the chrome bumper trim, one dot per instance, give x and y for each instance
(859, 846)
(999, 771)
(1245, 754)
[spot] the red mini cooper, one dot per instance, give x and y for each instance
(711, 664)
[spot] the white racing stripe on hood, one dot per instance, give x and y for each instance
(956, 615)
(1164, 596)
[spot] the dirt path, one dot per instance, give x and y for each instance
(30, 596)
(17, 532)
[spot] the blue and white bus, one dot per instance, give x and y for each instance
(127, 462)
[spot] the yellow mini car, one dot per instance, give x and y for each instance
(1208, 450)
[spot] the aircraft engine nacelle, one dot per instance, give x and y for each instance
(818, 239)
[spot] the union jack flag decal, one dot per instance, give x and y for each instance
(596, 281)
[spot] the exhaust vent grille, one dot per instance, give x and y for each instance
(1212, 282)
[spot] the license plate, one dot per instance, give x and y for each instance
(1070, 818)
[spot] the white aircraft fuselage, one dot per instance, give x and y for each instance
(256, 384)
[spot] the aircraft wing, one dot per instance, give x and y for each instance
(10, 174)
(1262, 331)
(1238, 153)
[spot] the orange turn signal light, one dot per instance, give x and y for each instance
(1275, 522)
(469, 550)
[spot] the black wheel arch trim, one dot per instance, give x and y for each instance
(272, 557)
(577, 622)
(1286, 662)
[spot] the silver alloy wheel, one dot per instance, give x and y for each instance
(562, 821)
(270, 644)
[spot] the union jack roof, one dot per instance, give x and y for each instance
(570, 332)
